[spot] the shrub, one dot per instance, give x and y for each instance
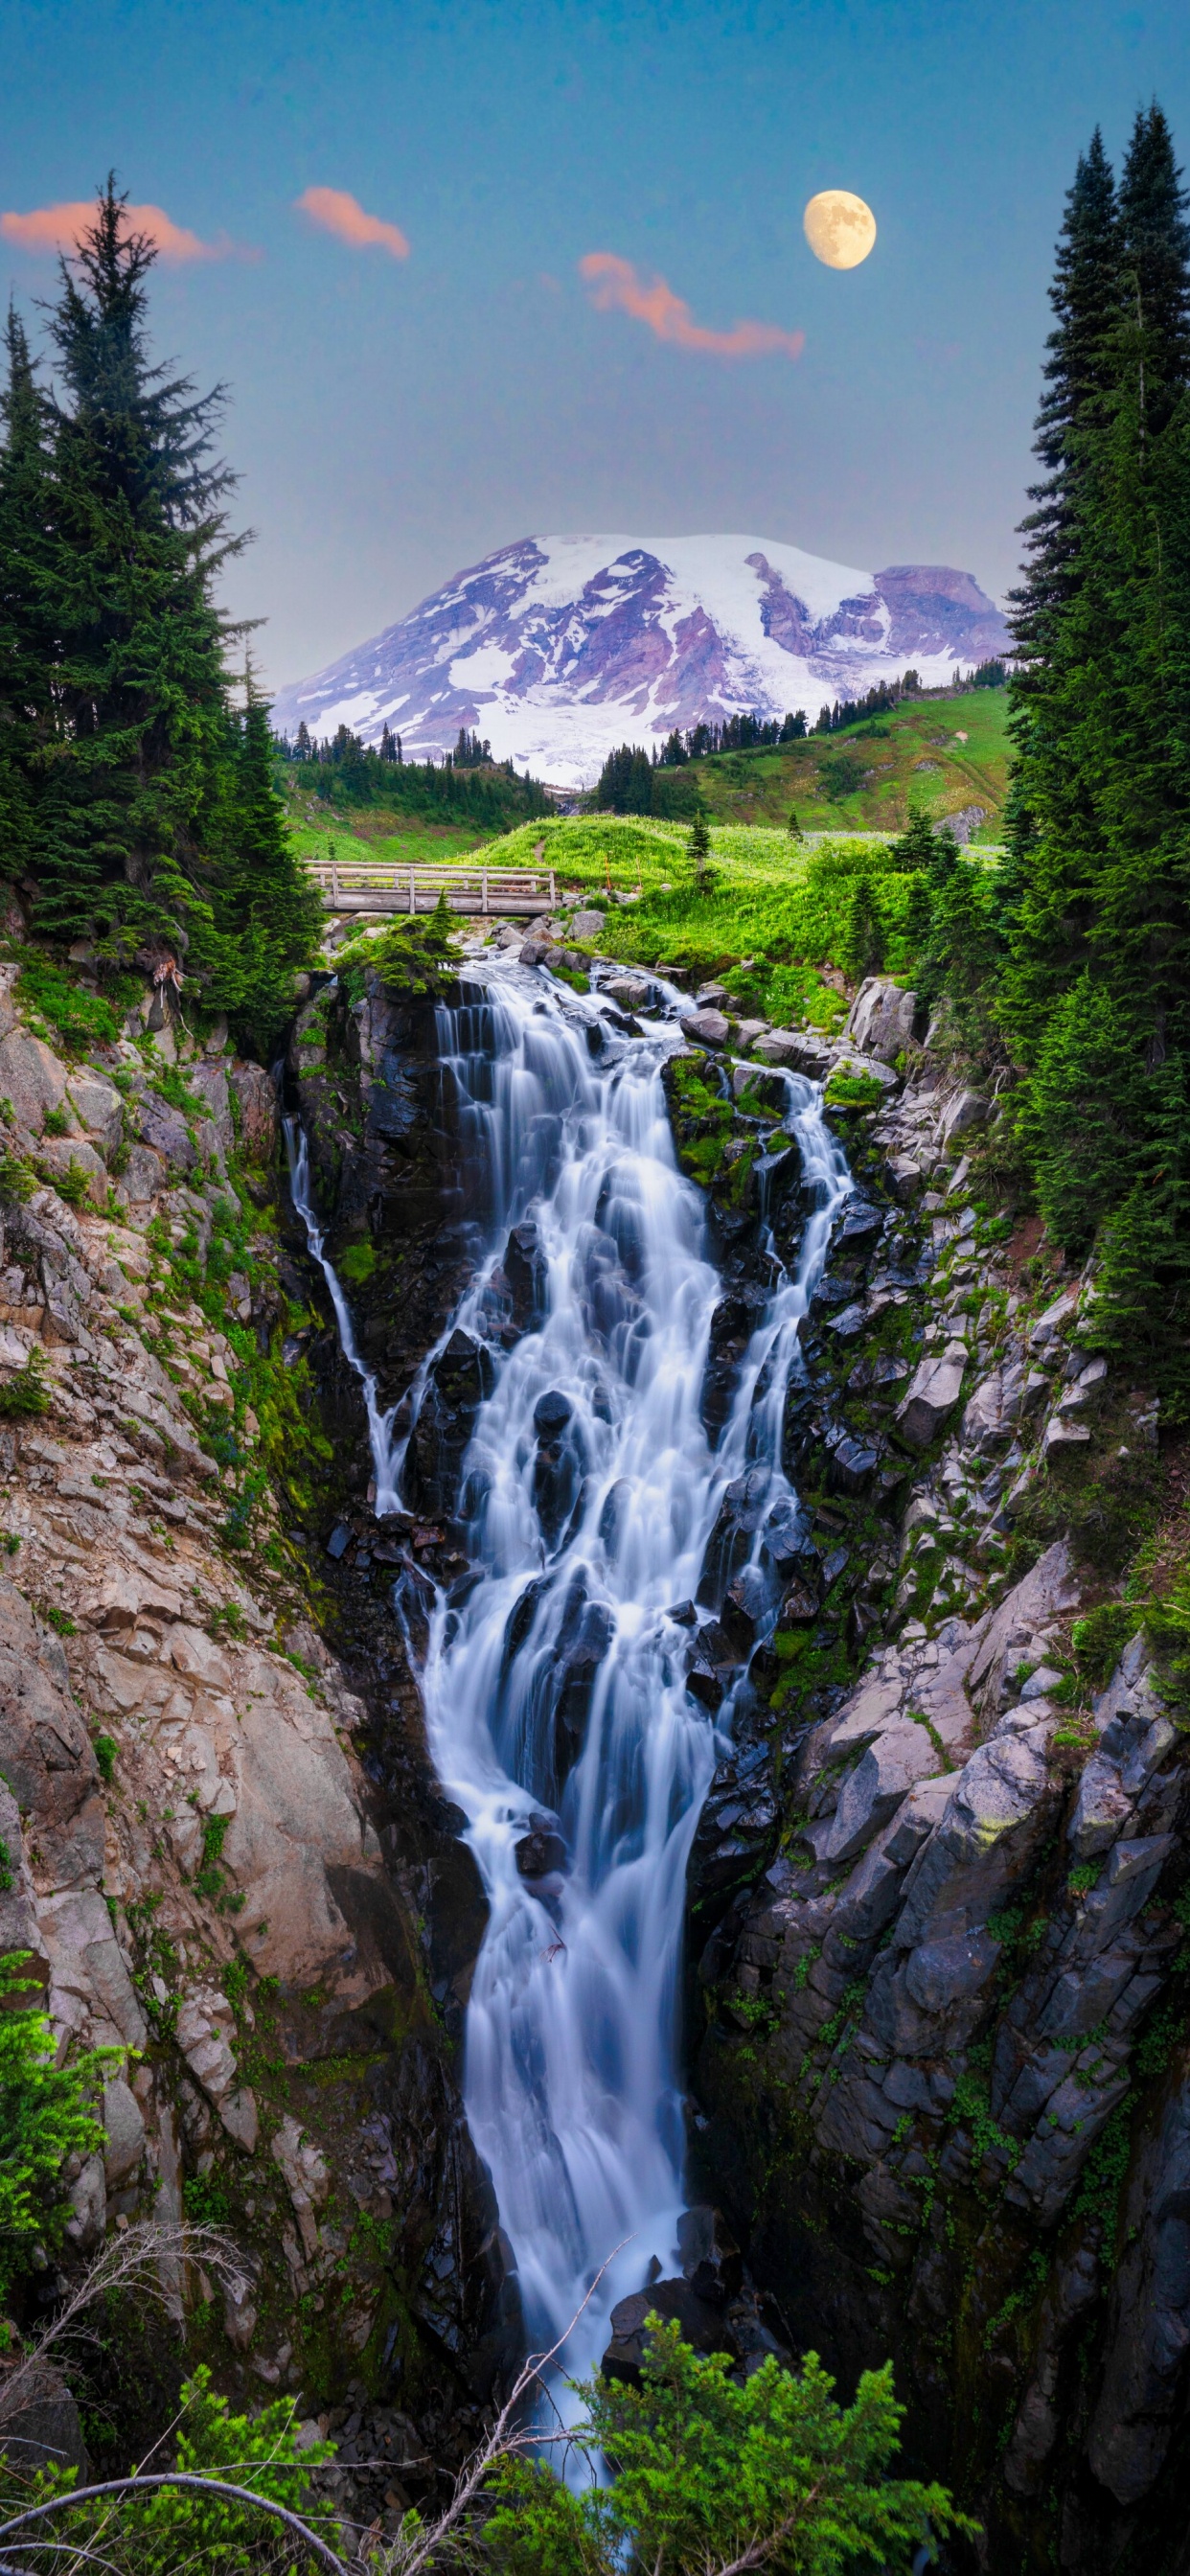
(26, 1394)
(78, 1020)
(46, 2116)
(706, 2470)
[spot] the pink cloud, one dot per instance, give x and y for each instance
(615, 283)
(343, 215)
(51, 228)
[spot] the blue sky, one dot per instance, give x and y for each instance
(394, 418)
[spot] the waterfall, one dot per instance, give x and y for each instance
(555, 1675)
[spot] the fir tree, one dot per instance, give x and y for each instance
(699, 848)
(140, 693)
(26, 648)
(268, 911)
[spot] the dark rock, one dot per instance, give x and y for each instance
(339, 1541)
(541, 1850)
(559, 1464)
(733, 1323)
(860, 1225)
(714, 1660)
(703, 2326)
(584, 1635)
(459, 1382)
(852, 1464)
(711, 2260)
(612, 1517)
(730, 1542)
(44, 2431)
(526, 1273)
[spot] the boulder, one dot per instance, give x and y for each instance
(256, 1093)
(872, 1792)
(124, 2131)
(703, 2323)
(796, 1051)
(966, 1111)
(933, 1393)
(208, 1081)
(60, 1157)
(587, 925)
(306, 2175)
(710, 2258)
(880, 1021)
(97, 1106)
(42, 2428)
(631, 992)
(167, 1132)
(31, 1077)
(706, 1028)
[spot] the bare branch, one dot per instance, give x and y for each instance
(75, 2496)
(131, 2258)
(407, 2559)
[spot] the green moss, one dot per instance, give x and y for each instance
(357, 1263)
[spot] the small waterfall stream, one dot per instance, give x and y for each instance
(554, 1680)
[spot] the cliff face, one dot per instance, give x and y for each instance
(937, 1957)
(206, 1860)
(939, 1960)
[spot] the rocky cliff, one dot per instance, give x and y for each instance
(939, 1900)
(206, 1862)
(937, 1958)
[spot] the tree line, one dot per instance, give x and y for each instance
(137, 810)
(1079, 952)
(465, 787)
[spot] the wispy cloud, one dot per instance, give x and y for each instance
(616, 284)
(343, 215)
(54, 228)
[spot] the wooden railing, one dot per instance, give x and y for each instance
(365, 885)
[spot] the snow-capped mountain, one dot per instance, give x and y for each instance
(558, 648)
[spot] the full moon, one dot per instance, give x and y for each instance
(840, 229)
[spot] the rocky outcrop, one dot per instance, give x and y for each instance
(935, 1898)
(203, 1875)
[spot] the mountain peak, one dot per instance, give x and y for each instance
(558, 648)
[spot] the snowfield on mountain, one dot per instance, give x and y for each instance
(558, 648)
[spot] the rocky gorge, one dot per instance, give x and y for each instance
(934, 1981)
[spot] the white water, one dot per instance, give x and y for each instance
(572, 2082)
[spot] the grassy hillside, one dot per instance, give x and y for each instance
(771, 916)
(367, 832)
(941, 752)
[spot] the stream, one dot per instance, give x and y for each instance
(555, 1677)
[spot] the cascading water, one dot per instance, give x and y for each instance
(555, 1674)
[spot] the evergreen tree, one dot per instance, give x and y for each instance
(268, 911)
(699, 848)
(140, 693)
(862, 951)
(25, 645)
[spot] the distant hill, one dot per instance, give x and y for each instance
(947, 754)
(559, 648)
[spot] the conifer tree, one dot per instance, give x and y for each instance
(25, 646)
(268, 911)
(140, 694)
(699, 848)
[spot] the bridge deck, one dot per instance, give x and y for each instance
(355, 886)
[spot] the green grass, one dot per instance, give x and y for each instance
(760, 787)
(773, 912)
(372, 832)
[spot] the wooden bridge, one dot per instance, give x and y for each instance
(364, 885)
